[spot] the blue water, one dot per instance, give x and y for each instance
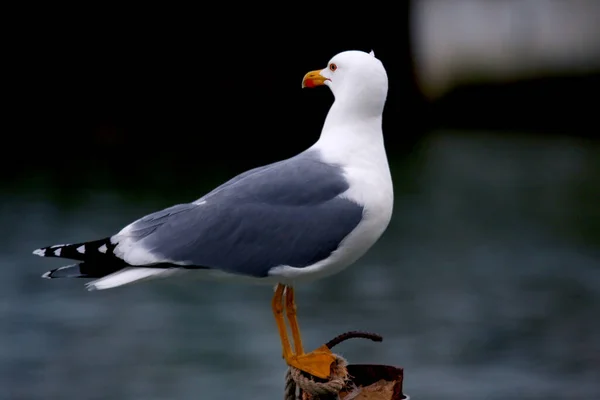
(485, 286)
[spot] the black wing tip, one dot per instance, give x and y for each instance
(68, 271)
(78, 251)
(49, 251)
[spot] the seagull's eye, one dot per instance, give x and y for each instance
(332, 67)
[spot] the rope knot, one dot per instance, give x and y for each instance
(315, 387)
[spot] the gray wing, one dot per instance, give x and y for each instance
(287, 213)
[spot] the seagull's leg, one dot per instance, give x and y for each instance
(277, 305)
(317, 362)
(290, 310)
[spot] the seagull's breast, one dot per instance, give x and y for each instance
(370, 185)
(363, 159)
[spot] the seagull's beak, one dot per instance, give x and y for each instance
(313, 78)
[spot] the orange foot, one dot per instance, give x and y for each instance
(317, 363)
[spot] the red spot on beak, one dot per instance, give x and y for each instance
(309, 83)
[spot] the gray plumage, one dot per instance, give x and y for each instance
(286, 213)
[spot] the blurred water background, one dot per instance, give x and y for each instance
(485, 286)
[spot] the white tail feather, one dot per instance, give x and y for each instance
(128, 275)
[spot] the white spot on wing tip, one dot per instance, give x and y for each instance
(57, 252)
(81, 249)
(46, 275)
(103, 249)
(39, 252)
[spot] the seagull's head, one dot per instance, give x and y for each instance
(352, 76)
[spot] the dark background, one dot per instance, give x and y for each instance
(186, 89)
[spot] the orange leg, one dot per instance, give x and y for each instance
(290, 310)
(318, 362)
(277, 305)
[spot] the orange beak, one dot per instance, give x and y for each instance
(313, 78)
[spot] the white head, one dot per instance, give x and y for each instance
(357, 79)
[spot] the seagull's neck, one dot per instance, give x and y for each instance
(352, 132)
(354, 141)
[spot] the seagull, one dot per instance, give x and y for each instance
(296, 220)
